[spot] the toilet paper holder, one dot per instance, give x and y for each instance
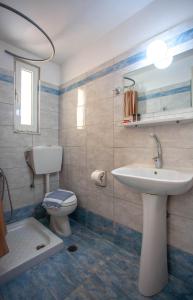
(99, 177)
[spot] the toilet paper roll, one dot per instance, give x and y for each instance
(99, 177)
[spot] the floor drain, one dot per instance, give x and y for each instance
(72, 248)
(40, 246)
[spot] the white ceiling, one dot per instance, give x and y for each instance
(72, 24)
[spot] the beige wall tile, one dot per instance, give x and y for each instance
(126, 156)
(12, 157)
(72, 137)
(176, 136)
(68, 110)
(100, 135)
(63, 176)
(77, 178)
(8, 138)
(46, 137)
(99, 158)
(178, 158)
(6, 92)
(180, 233)
(101, 204)
(99, 111)
(49, 102)
(18, 177)
(75, 156)
(63, 137)
(123, 192)
(20, 197)
(128, 214)
(118, 108)
(101, 88)
(181, 205)
(76, 137)
(6, 114)
(48, 120)
(133, 137)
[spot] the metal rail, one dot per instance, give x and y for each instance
(38, 27)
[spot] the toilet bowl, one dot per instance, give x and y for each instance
(59, 221)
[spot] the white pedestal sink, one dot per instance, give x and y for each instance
(155, 185)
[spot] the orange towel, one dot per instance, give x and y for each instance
(130, 103)
(3, 245)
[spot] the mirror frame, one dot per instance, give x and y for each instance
(179, 40)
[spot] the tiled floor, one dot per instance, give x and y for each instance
(97, 270)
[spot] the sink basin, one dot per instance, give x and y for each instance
(154, 181)
(155, 186)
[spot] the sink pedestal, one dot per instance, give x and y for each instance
(153, 274)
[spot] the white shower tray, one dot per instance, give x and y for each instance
(23, 238)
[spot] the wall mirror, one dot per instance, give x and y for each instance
(163, 95)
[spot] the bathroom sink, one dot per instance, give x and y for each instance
(154, 181)
(155, 186)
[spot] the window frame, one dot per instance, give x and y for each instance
(34, 128)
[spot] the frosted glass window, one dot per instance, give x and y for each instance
(26, 118)
(81, 109)
(26, 97)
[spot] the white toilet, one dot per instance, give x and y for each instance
(46, 160)
(59, 221)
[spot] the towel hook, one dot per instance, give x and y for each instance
(130, 79)
(118, 90)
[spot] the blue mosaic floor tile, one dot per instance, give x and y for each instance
(67, 265)
(80, 215)
(177, 290)
(88, 257)
(130, 240)
(98, 270)
(100, 225)
(26, 286)
(101, 290)
(81, 293)
(48, 276)
(180, 264)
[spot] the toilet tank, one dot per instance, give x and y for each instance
(45, 159)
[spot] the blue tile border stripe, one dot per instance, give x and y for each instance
(183, 37)
(43, 88)
(115, 67)
(173, 91)
(49, 90)
(6, 78)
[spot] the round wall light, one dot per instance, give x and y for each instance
(158, 53)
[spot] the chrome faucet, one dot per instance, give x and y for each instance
(157, 159)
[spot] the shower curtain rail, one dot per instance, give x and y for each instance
(35, 25)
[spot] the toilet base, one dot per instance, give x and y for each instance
(60, 225)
